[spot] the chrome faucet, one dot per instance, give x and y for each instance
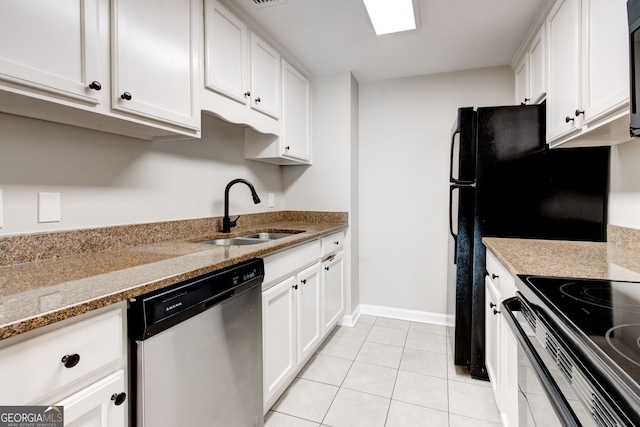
(227, 224)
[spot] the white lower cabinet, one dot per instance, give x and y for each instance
(332, 290)
(302, 300)
(79, 363)
(501, 348)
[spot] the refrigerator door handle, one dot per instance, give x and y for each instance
(453, 143)
(454, 235)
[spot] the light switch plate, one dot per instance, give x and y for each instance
(48, 207)
(272, 200)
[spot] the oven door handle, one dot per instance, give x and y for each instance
(562, 408)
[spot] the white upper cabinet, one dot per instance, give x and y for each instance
(71, 61)
(530, 72)
(296, 114)
(578, 60)
(155, 60)
(265, 77)
(241, 72)
(564, 69)
(226, 53)
(605, 62)
(50, 49)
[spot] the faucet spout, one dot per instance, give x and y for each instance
(227, 224)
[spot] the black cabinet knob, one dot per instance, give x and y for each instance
(70, 360)
(95, 85)
(295, 286)
(303, 281)
(326, 268)
(119, 398)
(569, 119)
(258, 99)
(496, 311)
(494, 276)
(247, 94)
(126, 96)
(287, 147)
(578, 112)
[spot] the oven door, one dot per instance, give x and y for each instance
(546, 395)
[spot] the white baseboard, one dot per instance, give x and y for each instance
(397, 313)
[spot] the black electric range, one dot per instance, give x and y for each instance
(599, 321)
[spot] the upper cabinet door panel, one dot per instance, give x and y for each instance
(537, 70)
(50, 48)
(265, 77)
(564, 68)
(154, 60)
(226, 52)
(606, 57)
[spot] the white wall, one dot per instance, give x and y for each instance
(330, 184)
(106, 179)
(624, 195)
(404, 168)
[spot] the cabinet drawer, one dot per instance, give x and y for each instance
(503, 280)
(289, 261)
(33, 369)
(332, 243)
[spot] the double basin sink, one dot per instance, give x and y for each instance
(251, 239)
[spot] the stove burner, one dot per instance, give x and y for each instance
(598, 295)
(625, 340)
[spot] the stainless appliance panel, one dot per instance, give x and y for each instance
(205, 371)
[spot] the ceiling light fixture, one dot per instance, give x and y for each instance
(391, 16)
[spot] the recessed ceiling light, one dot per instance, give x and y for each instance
(391, 16)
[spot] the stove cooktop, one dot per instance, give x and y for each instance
(601, 315)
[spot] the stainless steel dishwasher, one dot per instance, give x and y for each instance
(197, 351)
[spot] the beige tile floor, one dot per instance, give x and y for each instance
(385, 373)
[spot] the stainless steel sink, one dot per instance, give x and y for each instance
(234, 241)
(269, 236)
(250, 239)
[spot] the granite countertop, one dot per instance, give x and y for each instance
(48, 277)
(616, 259)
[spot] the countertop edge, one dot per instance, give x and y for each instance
(50, 317)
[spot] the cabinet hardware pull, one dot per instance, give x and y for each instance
(326, 268)
(337, 243)
(568, 119)
(304, 282)
(126, 96)
(71, 360)
(247, 94)
(95, 85)
(492, 304)
(295, 286)
(496, 311)
(119, 398)
(525, 101)
(494, 276)
(578, 112)
(258, 99)
(287, 148)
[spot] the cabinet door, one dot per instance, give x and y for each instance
(308, 312)
(226, 52)
(508, 376)
(564, 69)
(537, 70)
(278, 331)
(265, 77)
(605, 58)
(50, 48)
(523, 95)
(492, 335)
(332, 291)
(296, 114)
(154, 60)
(98, 405)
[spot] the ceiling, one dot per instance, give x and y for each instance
(330, 36)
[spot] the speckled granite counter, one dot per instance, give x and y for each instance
(617, 259)
(48, 277)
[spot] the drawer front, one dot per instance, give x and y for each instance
(500, 276)
(34, 369)
(332, 243)
(289, 261)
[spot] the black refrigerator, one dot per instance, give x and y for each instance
(505, 182)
